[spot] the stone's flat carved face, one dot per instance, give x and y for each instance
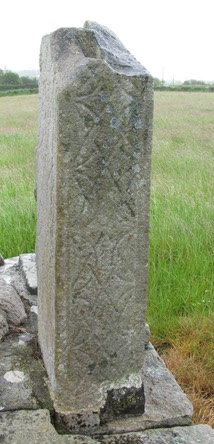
(93, 180)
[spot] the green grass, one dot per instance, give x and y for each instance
(181, 273)
(181, 224)
(18, 138)
(181, 288)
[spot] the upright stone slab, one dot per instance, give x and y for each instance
(93, 180)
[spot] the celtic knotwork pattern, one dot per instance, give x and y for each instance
(100, 179)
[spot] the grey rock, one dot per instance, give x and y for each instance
(11, 274)
(24, 389)
(34, 427)
(27, 264)
(166, 403)
(114, 52)
(198, 434)
(170, 406)
(23, 381)
(15, 383)
(93, 180)
(4, 328)
(11, 304)
(9, 269)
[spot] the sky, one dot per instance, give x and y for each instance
(173, 39)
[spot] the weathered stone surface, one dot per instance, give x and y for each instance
(3, 324)
(28, 267)
(93, 175)
(23, 382)
(166, 404)
(34, 427)
(11, 273)
(8, 269)
(198, 434)
(15, 384)
(122, 402)
(11, 304)
(15, 388)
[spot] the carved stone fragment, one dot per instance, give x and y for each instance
(93, 181)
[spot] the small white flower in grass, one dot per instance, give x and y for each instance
(14, 376)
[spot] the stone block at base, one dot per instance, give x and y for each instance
(166, 403)
(198, 434)
(22, 422)
(34, 427)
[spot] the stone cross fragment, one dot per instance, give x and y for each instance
(93, 183)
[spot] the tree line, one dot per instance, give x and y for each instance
(12, 81)
(187, 85)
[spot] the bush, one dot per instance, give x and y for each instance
(15, 92)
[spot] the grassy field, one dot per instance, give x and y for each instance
(181, 272)
(181, 290)
(18, 138)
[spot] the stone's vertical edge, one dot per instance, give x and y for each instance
(143, 201)
(57, 51)
(93, 181)
(46, 208)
